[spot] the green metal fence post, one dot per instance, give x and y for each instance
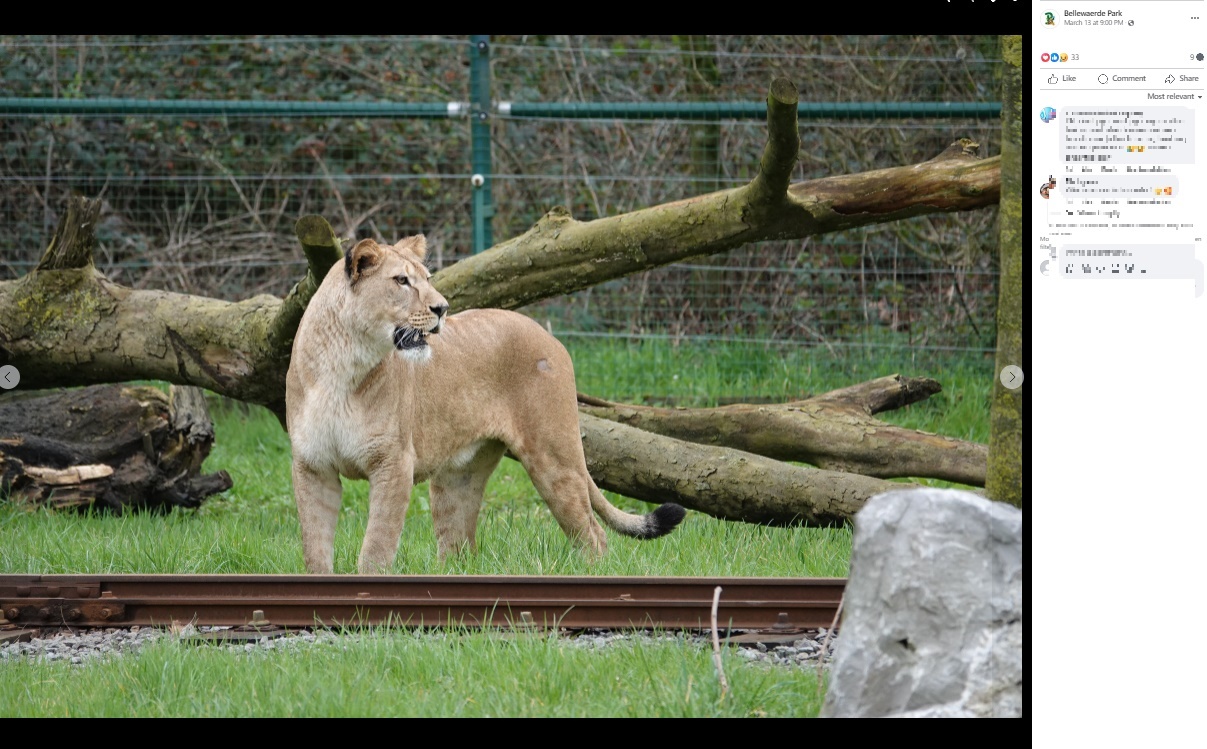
(479, 136)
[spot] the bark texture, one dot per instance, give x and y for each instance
(1005, 479)
(108, 447)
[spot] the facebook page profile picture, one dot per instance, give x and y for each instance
(1047, 114)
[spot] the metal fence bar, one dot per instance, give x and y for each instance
(483, 203)
(43, 106)
(747, 110)
(734, 110)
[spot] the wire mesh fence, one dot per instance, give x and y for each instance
(204, 202)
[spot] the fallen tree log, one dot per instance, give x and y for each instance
(834, 431)
(108, 447)
(719, 481)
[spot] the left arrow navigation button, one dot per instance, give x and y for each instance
(9, 377)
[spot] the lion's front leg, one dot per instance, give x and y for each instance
(389, 495)
(318, 495)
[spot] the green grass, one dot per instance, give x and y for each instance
(253, 528)
(405, 674)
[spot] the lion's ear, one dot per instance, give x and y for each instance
(416, 245)
(362, 259)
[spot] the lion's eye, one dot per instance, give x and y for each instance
(402, 280)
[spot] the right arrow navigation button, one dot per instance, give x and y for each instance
(1012, 377)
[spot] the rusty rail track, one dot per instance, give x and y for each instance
(303, 601)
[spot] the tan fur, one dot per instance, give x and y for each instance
(357, 406)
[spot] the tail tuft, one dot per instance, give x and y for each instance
(662, 520)
(655, 524)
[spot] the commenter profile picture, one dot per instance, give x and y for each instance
(1047, 186)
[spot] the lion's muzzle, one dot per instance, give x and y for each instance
(413, 335)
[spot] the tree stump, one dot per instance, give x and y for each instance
(110, 447)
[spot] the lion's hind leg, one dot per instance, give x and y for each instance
(565, 487)
(456, 497)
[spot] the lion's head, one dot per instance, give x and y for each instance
(393, 297)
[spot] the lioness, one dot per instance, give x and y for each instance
(372, 394)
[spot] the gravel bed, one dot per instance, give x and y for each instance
(802, 652)
(79, 647)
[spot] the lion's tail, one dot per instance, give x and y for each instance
(657, 523)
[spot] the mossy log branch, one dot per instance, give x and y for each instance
(834, 431)
(560, 255)
(66, 324)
